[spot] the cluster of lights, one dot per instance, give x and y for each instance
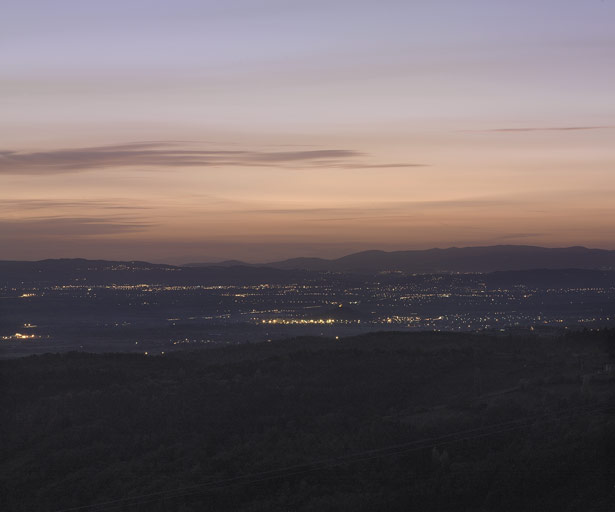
(395, 319)
(20, 336)
(187, 341)
(304, 321)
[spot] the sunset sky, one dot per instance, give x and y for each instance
(195, 130)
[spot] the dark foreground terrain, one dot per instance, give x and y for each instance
(390, 421)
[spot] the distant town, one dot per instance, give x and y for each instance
(122, 306)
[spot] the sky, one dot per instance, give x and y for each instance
(183, 130)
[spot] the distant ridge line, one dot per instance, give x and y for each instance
(479, 259)
(452, 259)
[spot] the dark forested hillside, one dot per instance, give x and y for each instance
(379, 422)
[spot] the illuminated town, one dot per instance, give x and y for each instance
(153, 317)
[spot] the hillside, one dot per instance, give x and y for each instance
(430, 422)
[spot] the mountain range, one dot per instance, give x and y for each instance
(572, 267)
(454, 259)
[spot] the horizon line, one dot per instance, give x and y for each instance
(241, 262)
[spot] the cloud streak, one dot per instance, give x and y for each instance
(392, 206)
(547, 129)
(521, 235)
(45, 227)
(172, 155)
(44, 204)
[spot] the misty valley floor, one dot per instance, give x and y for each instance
(384, 421)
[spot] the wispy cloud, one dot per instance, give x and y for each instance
(173, 155)
(374, 166)
(388, 207)
(44, 204)
(521, 235)
(45, 227)
(313, 211)
(545, 129)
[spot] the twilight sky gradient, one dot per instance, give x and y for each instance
(185, 130)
